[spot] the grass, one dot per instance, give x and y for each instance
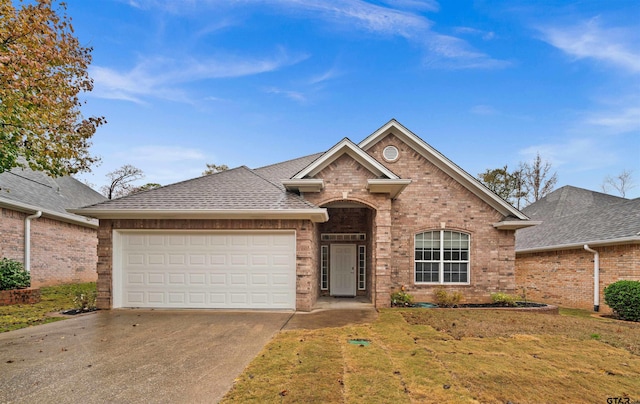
(450, 356)
(53, 299)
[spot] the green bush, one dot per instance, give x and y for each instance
(401, 298)
(504, 299)
(446, 299)
(13, 275)
(624, 298)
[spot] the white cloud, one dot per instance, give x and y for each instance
(455, 53)
(161, 154)
(626, 119)
(294, 95)
(573, 155)
(160, 77)
(589, 40)
(486, 35)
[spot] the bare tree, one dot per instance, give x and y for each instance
(212, 169)
(146, 187)
(537, 179)
(621, 183)
(120, 181)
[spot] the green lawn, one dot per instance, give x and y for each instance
(54, 299)
(450, 356)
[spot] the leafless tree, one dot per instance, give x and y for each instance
(120, 181)
(537, 179)
(622, 183)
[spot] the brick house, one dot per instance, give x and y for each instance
(552, 264)
(56, 246)
(357, 220)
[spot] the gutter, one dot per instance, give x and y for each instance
(596, 278)
(572, 246)
(317, 215)
(27, 239)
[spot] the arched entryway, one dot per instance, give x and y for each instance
(346, 250)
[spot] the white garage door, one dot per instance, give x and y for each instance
(204, 270)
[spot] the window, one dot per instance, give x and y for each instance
(362, 267)
(324, 267)
(441, 257)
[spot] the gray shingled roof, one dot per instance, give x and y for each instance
(235, 189)
(573, 216)
(287, 169)
(568, 200)
(35, 188)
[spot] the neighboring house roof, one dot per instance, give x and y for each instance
(30, 191)
(572, 217)
(261, 193)
(234, 193)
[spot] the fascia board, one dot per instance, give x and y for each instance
(318, 215)
(446, 165)
(515, 224)
(61, 217)
(384, 186)
(350, 148)
(304, 185)
(572, 246)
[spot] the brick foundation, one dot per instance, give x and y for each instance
(19, 296)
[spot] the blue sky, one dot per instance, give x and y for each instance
(183, 83)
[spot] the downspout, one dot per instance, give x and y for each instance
(27, 239)
(596, 278)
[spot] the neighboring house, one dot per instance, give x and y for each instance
(552, 264)
(57, 247)
(359, 219)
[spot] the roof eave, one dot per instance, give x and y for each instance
(572, 246)
(384, 186)
(304, 185)
(317, 215)
(515, 224)
(50, 214)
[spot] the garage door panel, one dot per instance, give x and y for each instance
(207, 270)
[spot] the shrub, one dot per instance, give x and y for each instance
(446, 299)
(624, 298)
(401, 298)
(504, 299)
(84, 296)
(13, 275)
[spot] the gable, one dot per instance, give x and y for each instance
(465, 179)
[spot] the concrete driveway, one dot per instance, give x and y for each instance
(149, 356)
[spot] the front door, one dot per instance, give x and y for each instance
(343, 270)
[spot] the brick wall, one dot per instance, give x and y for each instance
(565, 277)
(431, 199)
(306, 250)
(19, 296)
(60, 252)
(434, 198)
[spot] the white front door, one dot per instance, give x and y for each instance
(343, 270)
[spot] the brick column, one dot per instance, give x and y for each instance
(382, 259)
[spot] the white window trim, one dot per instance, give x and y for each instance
(362, 267)
(324, 267)
(441, 262)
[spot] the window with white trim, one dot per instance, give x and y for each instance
(441, 256)
(324, 267)
(362, 267)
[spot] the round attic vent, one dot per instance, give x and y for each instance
(390, 153)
